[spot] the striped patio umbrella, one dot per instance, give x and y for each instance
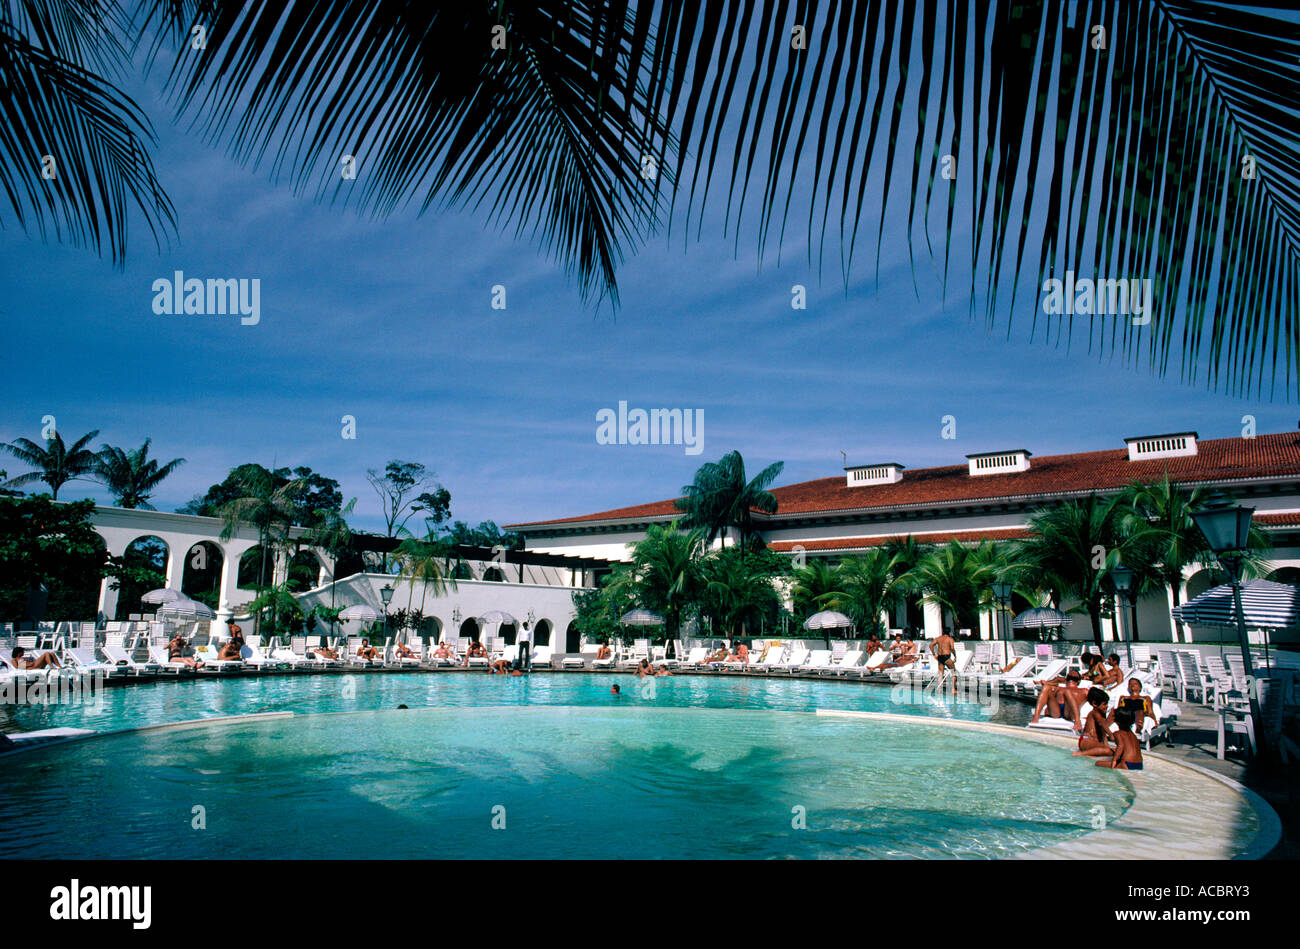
(641, 618)
(1264, 604)
(1041, 617)
(360, 611)
(187, 607)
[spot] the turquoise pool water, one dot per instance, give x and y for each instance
(630, 780)
(206, 697)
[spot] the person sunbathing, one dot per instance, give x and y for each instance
(403, 651)
(442, 652)
(1095, 740)
(720, 656)
(176, 652)
(324, 652)
(367, 651)
(603, 652)
(475, 651)
(1059, 696)
(1128, 750)
(901, 653)
(1111, 674)
(232, 649)
(1136, 704)
(46, 660)
(741, 655)
(873, 646)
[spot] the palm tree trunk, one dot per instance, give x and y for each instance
(1178, 626)
(1094, 614)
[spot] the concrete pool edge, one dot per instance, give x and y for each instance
(1147, 829)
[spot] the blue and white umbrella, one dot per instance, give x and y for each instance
(828, 619)
(1264, 605)
(1041, 617)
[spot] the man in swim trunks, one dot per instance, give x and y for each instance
(1128, 750)
(46, 660)
(324, 652)
(741, 655)
(873, 646)
(1095, 740)
(945, 650)
(367, 651)
(176, 652)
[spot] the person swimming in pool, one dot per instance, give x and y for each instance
(1128, 750)
(1095, 740)
(615, 690)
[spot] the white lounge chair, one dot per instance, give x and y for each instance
(211, 663)
(116, 652)
(83, 659)
(254, 657)
(159, 656)
(846, 663)
(797, 657)
(542, 656)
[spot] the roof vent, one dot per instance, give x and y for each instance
(1151, 447)
(859, 476)
(998, 462)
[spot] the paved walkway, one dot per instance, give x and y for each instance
(1195, 740)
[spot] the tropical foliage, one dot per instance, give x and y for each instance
(722, 496)
(56, 462)
(1154, 135)
(132, 476)
(50, 557)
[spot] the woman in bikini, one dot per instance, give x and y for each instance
(176, 652)
(1095, 740)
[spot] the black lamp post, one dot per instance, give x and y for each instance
(1226, 527)
(1002, 594)
(386, 591)
(1122, 577)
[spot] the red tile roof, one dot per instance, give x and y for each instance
(1221, 459)
(853, 543)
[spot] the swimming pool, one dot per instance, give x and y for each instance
(608, 780)
(170, 700)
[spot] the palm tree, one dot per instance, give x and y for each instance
(1165, 540)
(333, 535)
(812, 582)
(268, 508)
(737, 590)
(1077, 543)
(422, 559)
(721, 496)
(666, 572)
(721, 102)
(58, 463)
(959, 578)
(867, 585)
(131, 476)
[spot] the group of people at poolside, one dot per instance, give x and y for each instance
(1063, 696)
(1111, 735)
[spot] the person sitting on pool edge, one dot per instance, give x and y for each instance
(176, 652)
(1128, 750)
(647, 668)
(45, 660)
(1095, 740)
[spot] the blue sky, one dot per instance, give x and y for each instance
(391, 322)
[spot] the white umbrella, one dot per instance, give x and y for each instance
(1041, 617)
(360, 611)
(187, 607)
(641, 618)
(499, 617)
(827, 619)
(163, 595)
